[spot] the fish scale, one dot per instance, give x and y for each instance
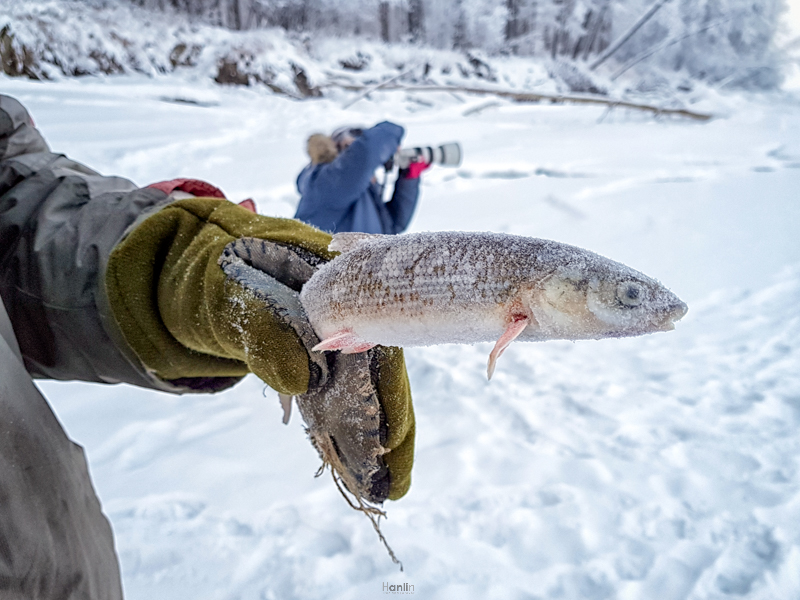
(466, 287)
(419, 274)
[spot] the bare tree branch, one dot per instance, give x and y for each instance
(666, 44)
(366, 92)
(628, 34)
(520, 97)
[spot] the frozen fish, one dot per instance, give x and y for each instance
(431, 288)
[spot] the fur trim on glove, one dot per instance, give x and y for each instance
(321, 149)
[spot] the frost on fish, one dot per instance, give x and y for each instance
(432, 288)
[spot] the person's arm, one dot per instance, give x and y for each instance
(59, 221)
(404, 201)
(107, 282)
(350, 173)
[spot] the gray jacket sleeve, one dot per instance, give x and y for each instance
(59, 221)
(54, 540)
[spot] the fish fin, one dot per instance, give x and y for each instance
(360, 347)
(346, 341)
(518, 323)
(286, 405)
(346, 241)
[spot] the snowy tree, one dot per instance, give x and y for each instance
(726, 42)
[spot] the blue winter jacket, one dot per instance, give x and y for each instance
(341, 196)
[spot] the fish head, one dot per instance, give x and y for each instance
(603, 300)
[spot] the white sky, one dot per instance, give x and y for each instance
(794, 16)
(793, 20)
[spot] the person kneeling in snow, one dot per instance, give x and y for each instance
(338, 190)
(170, 287)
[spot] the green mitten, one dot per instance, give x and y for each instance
(204, 288)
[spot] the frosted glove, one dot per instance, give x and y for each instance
(204, 288)
(357, 407)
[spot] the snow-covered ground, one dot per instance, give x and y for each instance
(663, 467)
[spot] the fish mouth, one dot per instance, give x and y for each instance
(675, 312)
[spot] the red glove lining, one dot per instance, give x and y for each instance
(415, 169)
(198, 188)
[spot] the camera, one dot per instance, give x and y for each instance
(446, 155)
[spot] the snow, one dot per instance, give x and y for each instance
(662, 467)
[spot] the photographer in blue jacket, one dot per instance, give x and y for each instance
(339, 191)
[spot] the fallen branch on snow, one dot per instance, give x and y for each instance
(530, 97)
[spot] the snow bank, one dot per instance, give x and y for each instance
(51, 39)
(663, 468)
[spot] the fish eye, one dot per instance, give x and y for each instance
(630, 294)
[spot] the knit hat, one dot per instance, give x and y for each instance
(342, 136)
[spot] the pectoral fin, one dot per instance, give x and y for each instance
(346, 341)
(286, 405)
(518, 323)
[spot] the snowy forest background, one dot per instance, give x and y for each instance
(287, 44)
